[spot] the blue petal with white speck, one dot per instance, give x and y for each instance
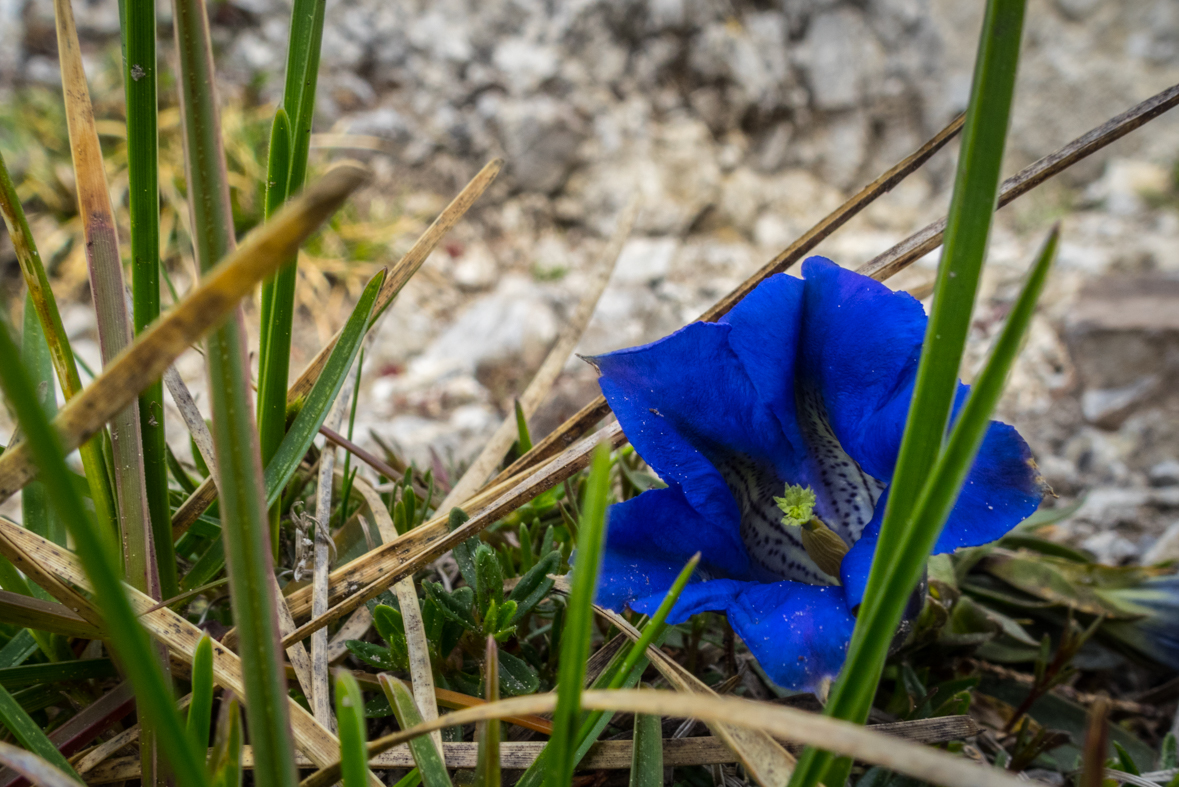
(805, 382)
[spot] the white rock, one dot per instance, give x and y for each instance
(516, 320)
(644, 260)
(476, 268)
(1110, 548)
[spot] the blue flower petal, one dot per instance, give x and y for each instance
(1001, 490)
(859, 349)
(649, 538)
(798, 633)
(765, 332)
(687, 404)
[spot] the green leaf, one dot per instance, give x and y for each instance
(503, 622)
(30, 734)
(1125, 761)
(535, 585)
(428, 759)
(322, 395)
(464, 553)
(200, 709)
(375, 655)
(32, 674)
(391, 627)
(351, 721)
(456, 606)
(906, 537)
(575, 639)
(489, 578)
(646, 768)
(516, 676)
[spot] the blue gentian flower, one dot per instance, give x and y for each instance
(803, 387)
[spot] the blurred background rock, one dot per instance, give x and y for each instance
(739, 124)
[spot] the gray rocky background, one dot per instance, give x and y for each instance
(738, 124)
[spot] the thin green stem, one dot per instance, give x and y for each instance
(244, 525)
(138, 19)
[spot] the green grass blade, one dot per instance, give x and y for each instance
(130, 642)
(575, 639)
(351, 721)
(646, 764)
(138, 19)
(278, 294)
(487, 733)
(38, 516)
(425, 755)
(319, 401)
(245, 524)
(967, 232)
(30, 735)
(524, 439)
(200, 709)
(101, 490)
(225, 761)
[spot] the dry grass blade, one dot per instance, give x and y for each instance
(542, 382)
(33, 768)
(30, 612)
(110, 305)
(371, 574)
(595, 411)
(180, 636)
(895, 754)
(763, 757)
(929, 238)
(409, 264)
(406, 267)
(321, 703)
(197, 428)
(420, 670)
(605, 755)
(219, 292)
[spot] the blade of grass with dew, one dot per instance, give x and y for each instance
(200, 709)
(646, 768)
(425, 754)
(138, 20)
(350, 716)
(101, 491)
(110, 306)
(575, 638)
(968, 229)
(245, 524)
(487, 772)
(127, 638)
